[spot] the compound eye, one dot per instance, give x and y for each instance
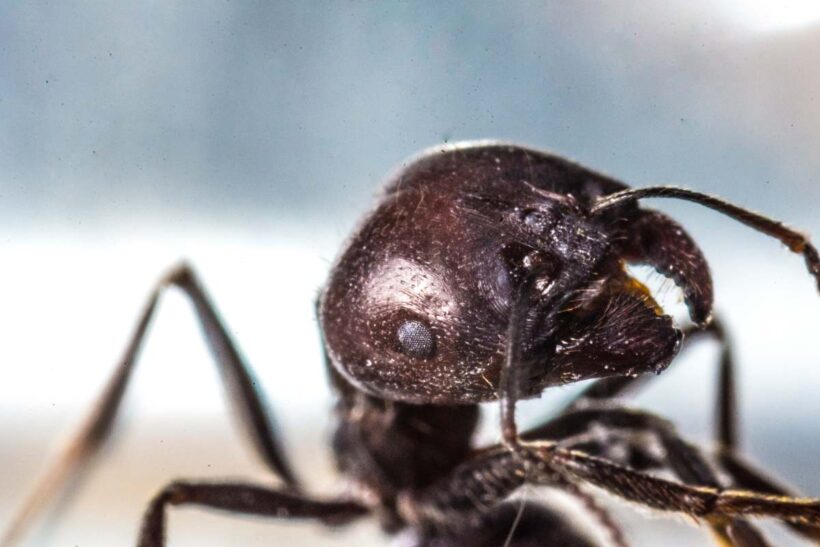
(416, 339)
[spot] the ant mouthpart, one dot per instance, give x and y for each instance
(668, 298)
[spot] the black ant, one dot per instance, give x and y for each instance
(489, 272)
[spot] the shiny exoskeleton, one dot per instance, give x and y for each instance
(454, 236)
(490, 272)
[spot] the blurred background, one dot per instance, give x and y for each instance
(248, 137)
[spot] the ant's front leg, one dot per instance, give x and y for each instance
(743, 474)
(683, 459)
(527, 299)
(236, 377)
(243, 499)
(643, 441)
(496, 472)
(708, 503)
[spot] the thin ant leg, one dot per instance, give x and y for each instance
(745, 476)
(236, 376)
(701, 502)
(495, 473)
(726, 406)
(572, 430)
(683, 461)
(509, 384)
(742, 473)
(509, 388)
(481, 483)
(509, 391)
(794, 240)
(242, 499)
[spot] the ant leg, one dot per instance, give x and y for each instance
(236, 376)
(622, 440)
(496, 472)
(509, 383)
(509, 388)
(709, 503)
(245, 499)
(477, 487)
(682, 459)
(745, 476)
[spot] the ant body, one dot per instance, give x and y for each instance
(489, 272)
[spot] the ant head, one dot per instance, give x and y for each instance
(420, 304)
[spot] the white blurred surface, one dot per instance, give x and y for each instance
(772, 15)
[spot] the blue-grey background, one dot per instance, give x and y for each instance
(248, 137)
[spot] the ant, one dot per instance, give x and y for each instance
(489, 272)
